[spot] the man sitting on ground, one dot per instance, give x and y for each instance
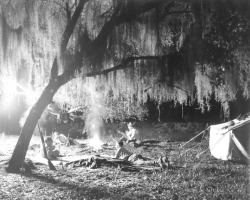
(123, 153)
(132, 135)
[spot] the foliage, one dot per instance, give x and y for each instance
(224, 64)
(151, 37)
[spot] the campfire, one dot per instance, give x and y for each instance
(94, 125)
(95, 143)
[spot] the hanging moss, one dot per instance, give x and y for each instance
(243, 74)
(124, 92)
(27, 29)
(203, 85)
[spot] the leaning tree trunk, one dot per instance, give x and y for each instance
(35, 113)
(56, 81)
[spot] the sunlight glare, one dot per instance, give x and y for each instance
(8, 91)
(2, 138)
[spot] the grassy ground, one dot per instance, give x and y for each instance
(191, 177)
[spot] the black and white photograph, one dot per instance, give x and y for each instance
(124, 99)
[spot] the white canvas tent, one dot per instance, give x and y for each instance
(231, 141)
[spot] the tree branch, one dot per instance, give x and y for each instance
(178, 87)
(54, 70)
(65, 77)
(126, 11)
(68, 12)
(168, 12)
(121, 15)
(60, 5)
(123, 65)
(169, 85)
(71, 25)
(179, 12)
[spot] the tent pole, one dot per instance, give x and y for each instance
(194, 137)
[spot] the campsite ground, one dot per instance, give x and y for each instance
(193, 176)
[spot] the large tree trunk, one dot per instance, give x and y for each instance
(36, 111)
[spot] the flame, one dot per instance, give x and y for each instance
(95, 142)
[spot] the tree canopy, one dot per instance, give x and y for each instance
(120, 53)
